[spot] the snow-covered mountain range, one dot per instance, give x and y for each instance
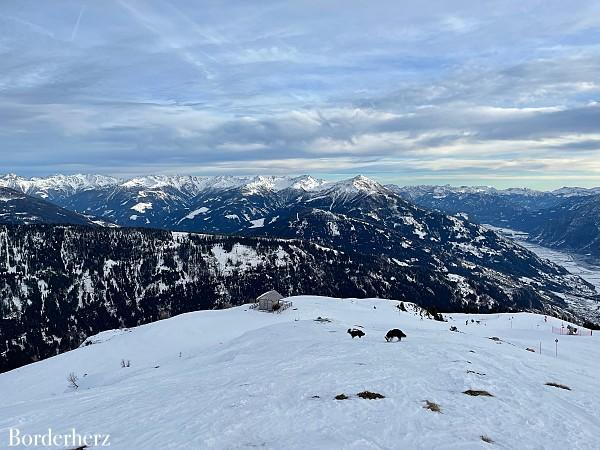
(61, 186)
(61, 283)
(241, 378)
(153, 201)
(215, 204)
(439, 191)
(565, 219)
(562, 219)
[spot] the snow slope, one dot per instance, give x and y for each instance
(247, 379)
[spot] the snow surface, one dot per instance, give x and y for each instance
(193, 214)
(142, 207)
(257, 223)
(241, 258)
(240, 378)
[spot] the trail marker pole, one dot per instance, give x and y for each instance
(540, 347)
(556, 341)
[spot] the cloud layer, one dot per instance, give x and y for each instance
(472, 92)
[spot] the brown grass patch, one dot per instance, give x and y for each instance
(560, 386)
(341, 397)
(368, 395)
(432, 406)
(487, 439)
(477, 393)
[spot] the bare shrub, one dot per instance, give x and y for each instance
(73, 379)
(341, 397)
(487, 439)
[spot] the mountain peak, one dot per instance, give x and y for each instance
(358, 185)
(279, 183)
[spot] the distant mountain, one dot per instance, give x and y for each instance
(481, 204)
(354, 215)
(573, 224)
(564, 219)
(156, 201)
(56, 187)
(441, 191)
(19, 208)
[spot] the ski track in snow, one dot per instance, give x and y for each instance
(247, 379)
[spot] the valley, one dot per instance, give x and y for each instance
(583, 266)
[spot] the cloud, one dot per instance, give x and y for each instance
(399, 90)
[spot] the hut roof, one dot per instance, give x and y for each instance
(270, 295)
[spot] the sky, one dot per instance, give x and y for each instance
(504, 93)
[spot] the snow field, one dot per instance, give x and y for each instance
(251, 379)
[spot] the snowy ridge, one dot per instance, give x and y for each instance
(272, 183)
(71, 184)
(189, 203)
(576, 191)
(356, 185)
(47, 187)
(441, 191)
(241, 378)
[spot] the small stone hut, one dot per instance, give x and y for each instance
(268, 300)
